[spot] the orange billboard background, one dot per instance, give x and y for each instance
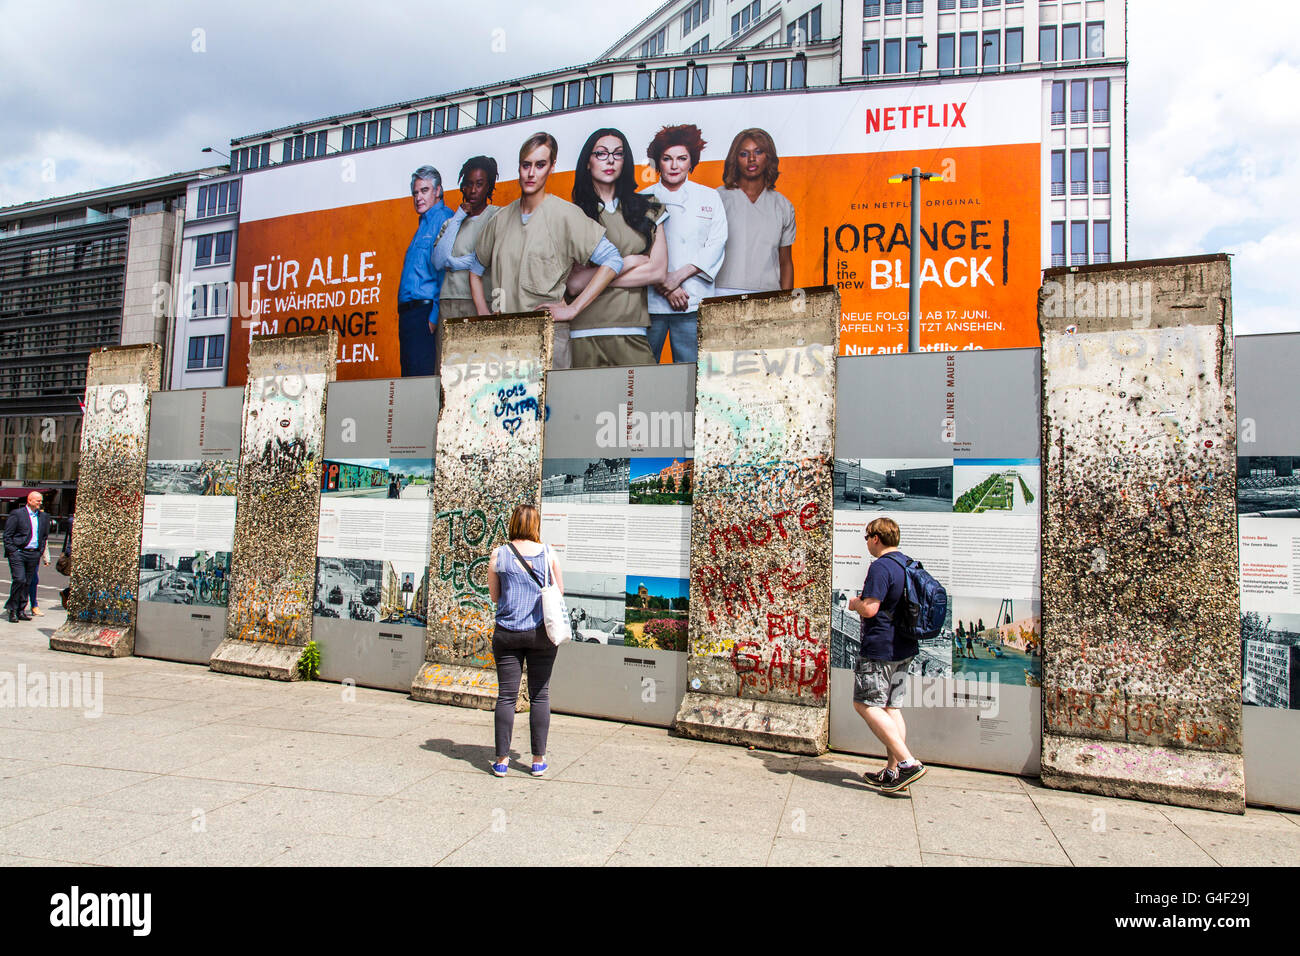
(341, 267)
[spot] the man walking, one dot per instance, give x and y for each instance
(884, 656)
(26, 531)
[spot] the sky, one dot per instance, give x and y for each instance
(96, 94)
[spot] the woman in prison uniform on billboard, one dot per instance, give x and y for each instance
(531, 245)
(612, 331)
(760, 220)
(454, 247)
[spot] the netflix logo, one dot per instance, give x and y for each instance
(914, 117)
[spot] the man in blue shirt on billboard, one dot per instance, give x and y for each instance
(417, 296)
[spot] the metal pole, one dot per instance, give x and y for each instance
(914, 274)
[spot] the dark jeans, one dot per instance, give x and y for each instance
(22, 567)
(417, 343)
(512, 650)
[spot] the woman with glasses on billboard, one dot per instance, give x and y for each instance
(760, 220)
(531, 245)
(612, 330)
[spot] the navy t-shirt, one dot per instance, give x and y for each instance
(884, 583)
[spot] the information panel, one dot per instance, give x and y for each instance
(189, 522)
(372, 555)
(1268, 517)
(616, 506)
(947, 445)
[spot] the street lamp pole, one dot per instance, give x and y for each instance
(914, 269)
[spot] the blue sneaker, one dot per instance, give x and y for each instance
(539, 769)
(500, 768)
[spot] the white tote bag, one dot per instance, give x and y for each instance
(554, 614)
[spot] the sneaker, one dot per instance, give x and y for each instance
(539, 769)
(906, 776)
(880, 778)
(38, 612)
(500, 768)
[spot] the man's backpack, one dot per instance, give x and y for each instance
(924, 604)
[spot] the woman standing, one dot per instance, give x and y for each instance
(515, 576)
(531, 245)
(454, 247)
(612, 330)
(760, 220)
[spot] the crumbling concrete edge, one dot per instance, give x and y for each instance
(770, 725)
(96, 640)
(1202, 779)
(257, 659)
(459, 685)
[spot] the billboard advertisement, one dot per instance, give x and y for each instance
(323, 244)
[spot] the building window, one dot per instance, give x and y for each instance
(893, 56)
(218, 199)
(453, 119)
(481, 112)
(606, 89)
(205, 351)
(216, 350)
(807, 29)
(694, 15)
(699, 80)
(969, 4)
(1101, 242)
(588, 91)
(916, 6)
(1101, 101)
(700, 46)
(1015, 49)
(574, 93)
(1070, 42)
(661, 84)
(1078, 101)
(992, 51)
(777, 80)
(871, 8)
(893, 7)
(947, 53)
(557, 97)
(1047, 44)
(412, 125)
(642, 85)
(221, 248)
(512, 106)
(197, 349)
(739, 78)
(758, 77)
(947, 4)
(1058, 244)
(1078, 243)
(1058, 103)
(969, 52)
(871, 58)
(915, 54)
(680, 81)
(656, 43)
(203, 251)
(495, 110)
(1096, 41)
(1101, 172)
(1079, 172)
(1058, 172)
(798, 73)
(526, 102)
(740, 22)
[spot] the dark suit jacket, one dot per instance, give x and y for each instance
(18, 529)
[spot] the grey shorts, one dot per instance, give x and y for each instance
(880, 683)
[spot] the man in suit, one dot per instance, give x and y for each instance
(25, 534)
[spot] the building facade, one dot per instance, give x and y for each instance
(77, 273)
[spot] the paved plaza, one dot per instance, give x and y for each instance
(189, 767)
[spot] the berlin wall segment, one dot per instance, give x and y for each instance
(488, 459)
(1142, 657)
(762, 522)
(273, 565)
(110, 502)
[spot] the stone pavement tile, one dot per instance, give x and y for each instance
(1103, 831)
(48, 719)
(590, 801)
(78, 834)
(948, 859)
(331, 849)
(303, 719)
(609, 763)
(169, 796)
(114, 703)
(1257, 838)
(831, 810)
(208, 710)
(290, 809)
(437, 752)
(659, 845)
(57, 785)
(534, 839)
(15, 767)
(10, 861)
(433, 831)
(11, 811)
(979, 823)
(460, 790)
(740, 812)
(732, 769)
(189, 844)
(787, 851)
(961, 779)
